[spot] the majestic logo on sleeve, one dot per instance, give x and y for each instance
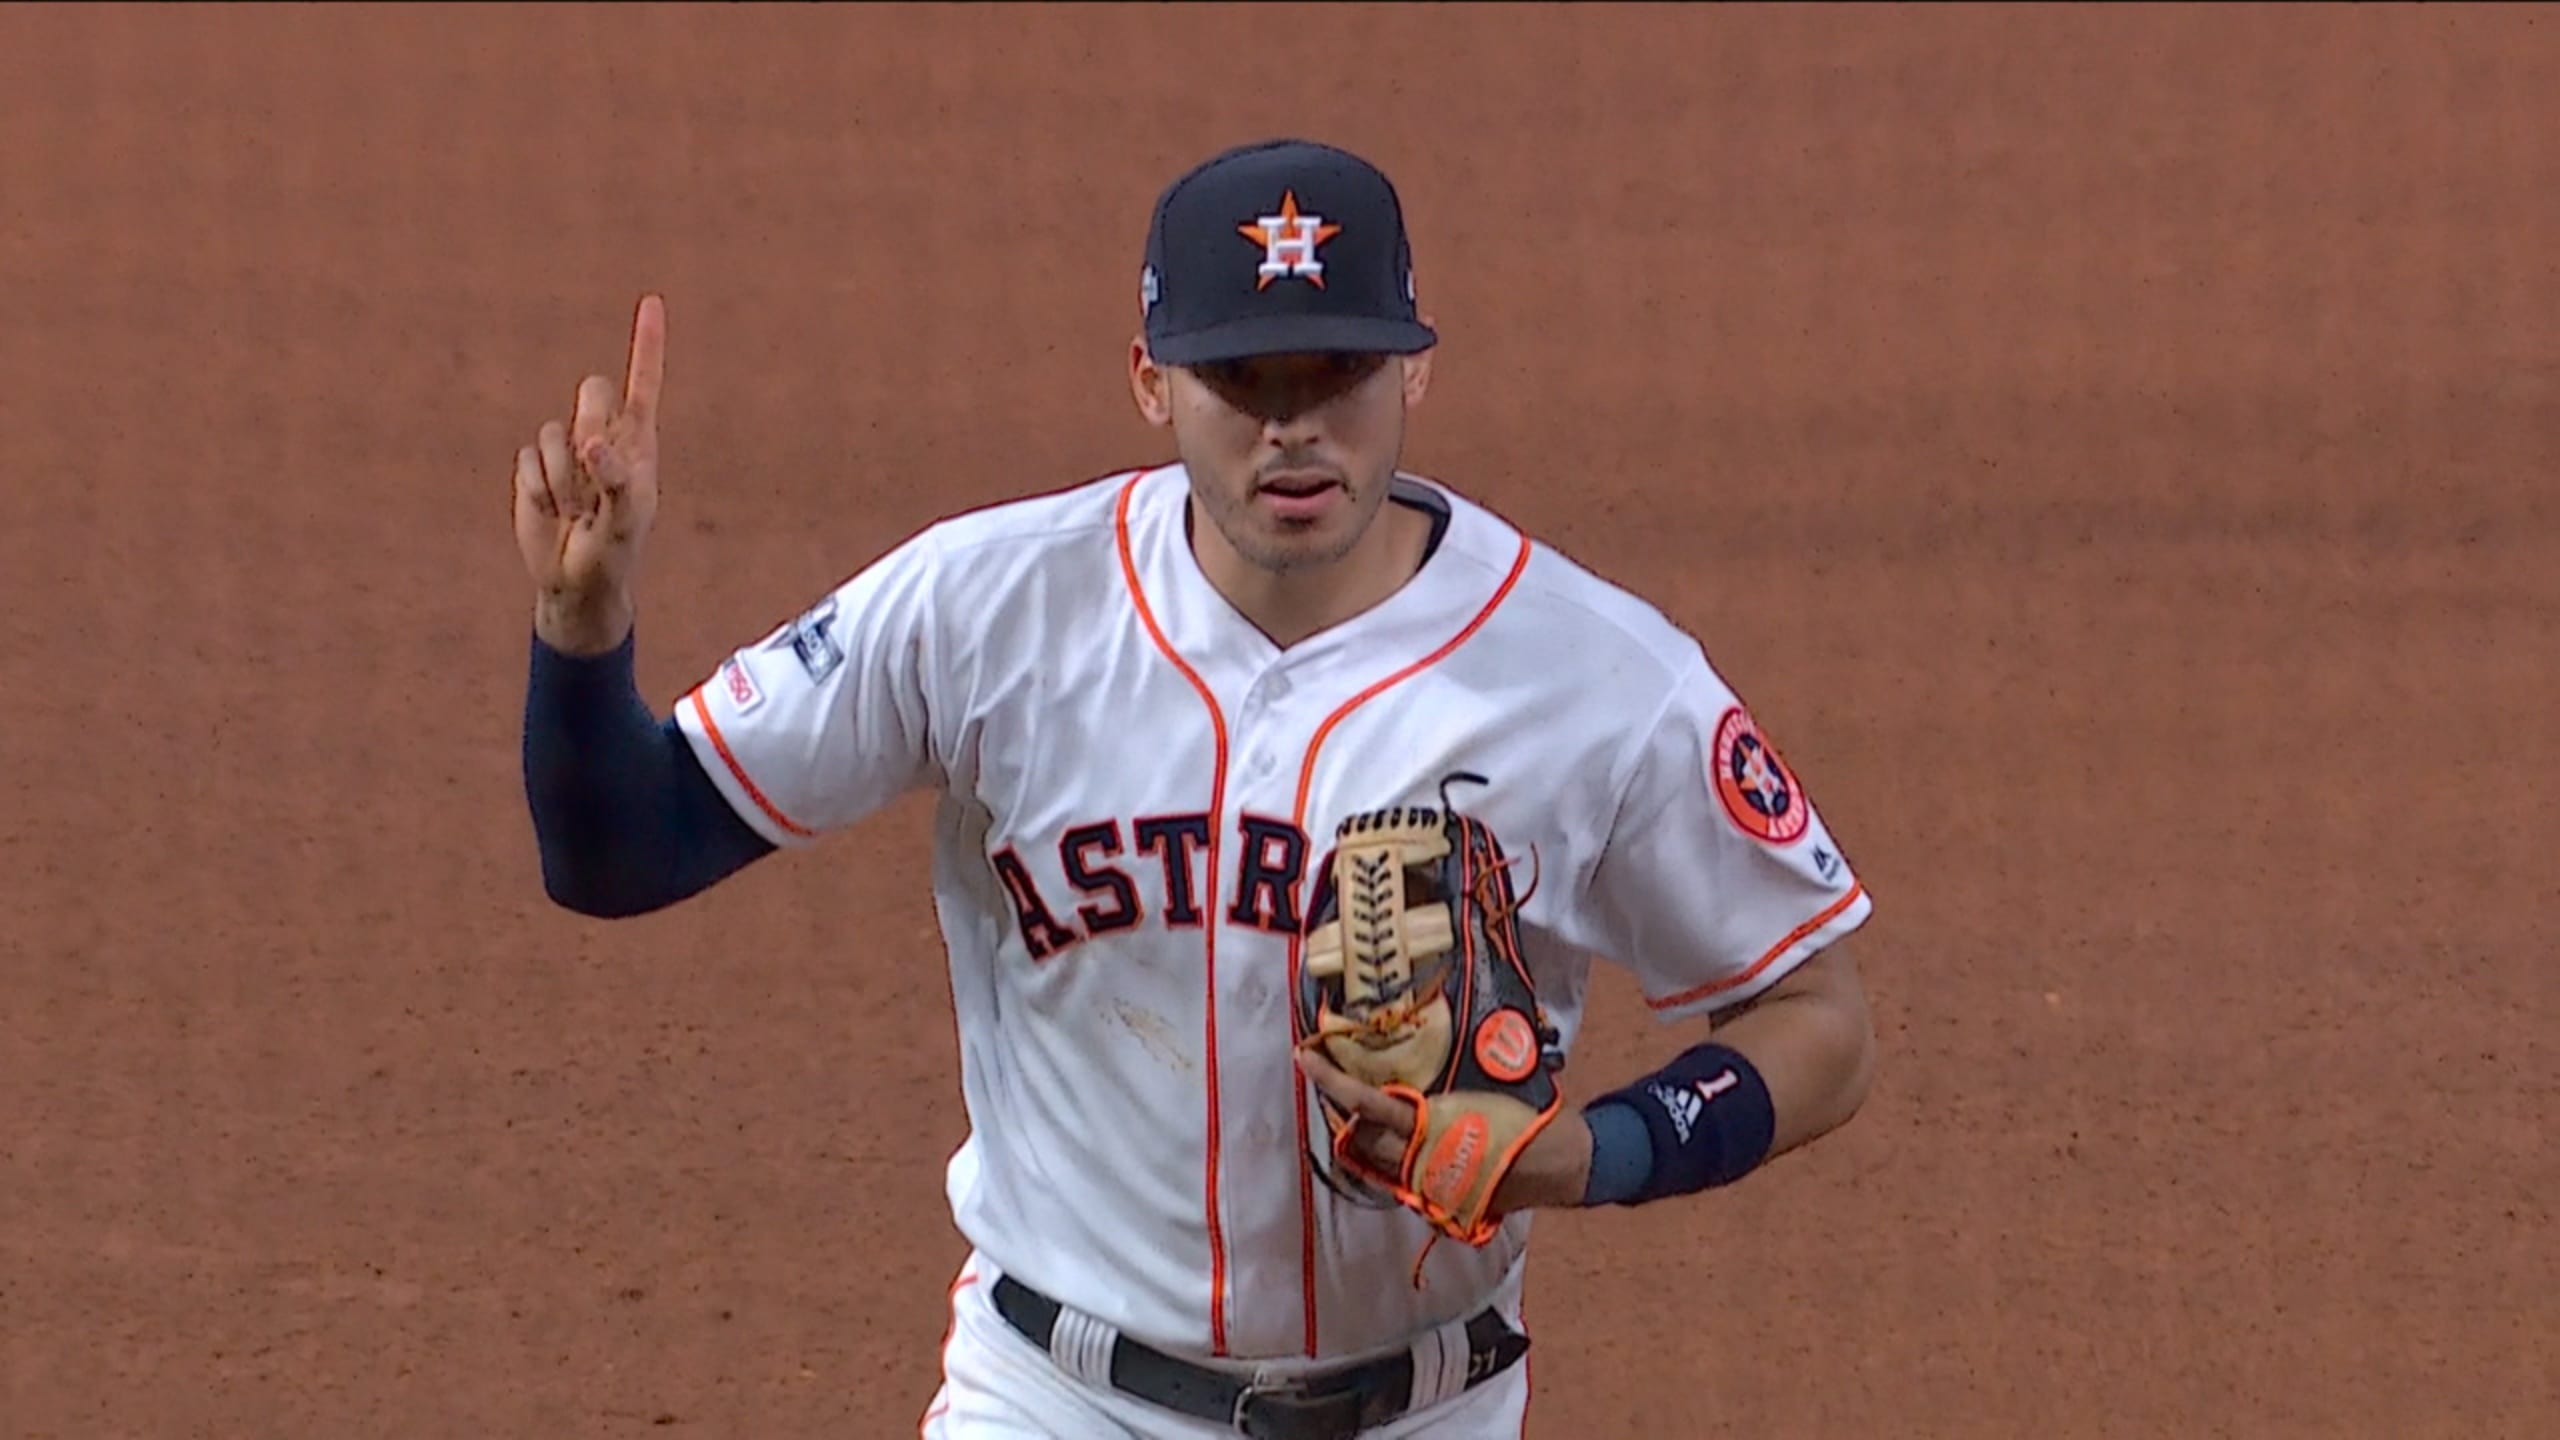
(1758, 790)
(1289, 242)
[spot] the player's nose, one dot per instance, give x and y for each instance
(1294, 422)
(1293, 436)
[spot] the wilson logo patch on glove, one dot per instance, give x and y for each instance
(1457, 1157)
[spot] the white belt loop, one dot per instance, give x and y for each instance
(1439, 1364)
(1456, 1358)
(1082, 1345)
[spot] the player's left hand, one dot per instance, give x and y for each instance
(1551, 1174)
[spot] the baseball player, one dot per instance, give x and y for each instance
(1284, 796)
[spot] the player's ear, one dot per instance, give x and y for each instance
(1417, 373)
(1150, 384)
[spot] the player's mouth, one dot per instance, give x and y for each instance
(1299, 497)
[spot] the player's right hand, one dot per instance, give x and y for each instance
(585, 493)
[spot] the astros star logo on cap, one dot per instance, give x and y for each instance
(1289, 242)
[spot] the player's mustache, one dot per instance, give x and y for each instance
(1299, 466)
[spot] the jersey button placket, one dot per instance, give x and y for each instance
(1258, 1083)
(1262, 760)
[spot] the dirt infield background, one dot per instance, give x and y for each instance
(2114, 451)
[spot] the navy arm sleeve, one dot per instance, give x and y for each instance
(625, 818)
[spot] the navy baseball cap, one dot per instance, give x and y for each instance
(1275, 247)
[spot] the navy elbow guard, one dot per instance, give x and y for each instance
(1710, 1119)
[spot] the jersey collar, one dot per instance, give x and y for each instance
(1459, 573)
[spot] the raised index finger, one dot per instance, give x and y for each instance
(648, 359)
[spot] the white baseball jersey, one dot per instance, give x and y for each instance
(1135, 784)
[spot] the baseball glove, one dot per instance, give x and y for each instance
(1411, 979)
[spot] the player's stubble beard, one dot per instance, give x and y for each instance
(1282, 549)
(1275, 547)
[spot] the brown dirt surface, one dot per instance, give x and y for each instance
(2113, 448)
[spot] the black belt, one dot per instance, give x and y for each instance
(1328, 1405)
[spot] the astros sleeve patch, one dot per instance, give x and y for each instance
(1720, 876)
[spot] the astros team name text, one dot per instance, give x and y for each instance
(1097, 861)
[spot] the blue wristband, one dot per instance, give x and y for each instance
(1621, 1152)
(1710, 1120)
